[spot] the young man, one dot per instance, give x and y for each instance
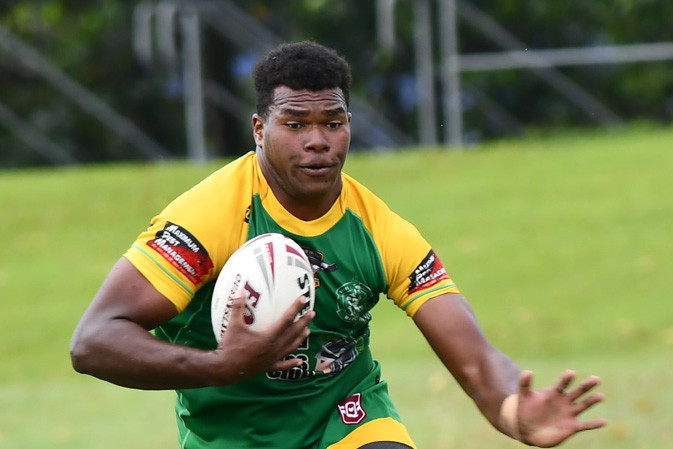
(311, 383)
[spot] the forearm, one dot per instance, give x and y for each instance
(126, 354)
(489, 383)
(487, 375)
(496, 384)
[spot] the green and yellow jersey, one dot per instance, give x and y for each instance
(359, 250)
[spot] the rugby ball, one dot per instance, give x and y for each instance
(272, 271)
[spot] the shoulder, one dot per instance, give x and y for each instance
(361, 200)
(236, 171)
(188, 242)
(218, 202)
(222, 189)
(375, 213)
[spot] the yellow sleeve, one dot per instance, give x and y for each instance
(414, 273)
(187, 244)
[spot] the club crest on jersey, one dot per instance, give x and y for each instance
(182, 250)
(351, 410)
(354, 301)
(428, 273)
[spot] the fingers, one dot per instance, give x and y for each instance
(564, 381)
(591, 424)
(573, 395)
(583, 387)
(289, 331)
(251, 352)
(289, 319)
(286, 364)
(237, 306)
(238, 310)
(561, 384)
(588, 402)
(293, 336)
(300, 305)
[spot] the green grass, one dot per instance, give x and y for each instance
(562, 244)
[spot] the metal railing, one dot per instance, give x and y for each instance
(76, 93)
(160, 25)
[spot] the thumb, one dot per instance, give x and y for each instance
(237, 306)
(525, 383)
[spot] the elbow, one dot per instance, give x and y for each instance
(78, 357)
(81, 355)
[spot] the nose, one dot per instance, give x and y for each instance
(316, 139)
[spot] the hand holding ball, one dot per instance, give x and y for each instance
(272, 271)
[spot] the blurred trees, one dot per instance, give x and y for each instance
(631, 90)
(92, 43)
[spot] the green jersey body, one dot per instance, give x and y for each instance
(358, 251)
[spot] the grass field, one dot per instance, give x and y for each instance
(562, 244)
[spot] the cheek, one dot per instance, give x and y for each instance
(276, 153)
(282, 146)
(343, 140)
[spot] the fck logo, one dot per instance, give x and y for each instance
(351, 410)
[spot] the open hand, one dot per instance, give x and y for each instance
(548, 417)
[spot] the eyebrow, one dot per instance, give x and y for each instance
(335, 111)
(339, 110)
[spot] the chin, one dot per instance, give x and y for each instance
(318, 190)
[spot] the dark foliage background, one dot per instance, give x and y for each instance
(92, 43)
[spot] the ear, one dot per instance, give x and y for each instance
(258, 130)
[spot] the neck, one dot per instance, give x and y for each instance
(307, 209)
(305, 206)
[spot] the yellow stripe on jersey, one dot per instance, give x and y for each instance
(165, 270)
(382, 429)
(412, 305)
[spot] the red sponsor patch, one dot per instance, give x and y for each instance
(183, 251)
(428, 273)
(351, 410)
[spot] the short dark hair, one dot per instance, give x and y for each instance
(300, 65)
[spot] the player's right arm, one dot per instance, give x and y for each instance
(113, 340)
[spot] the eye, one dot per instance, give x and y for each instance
(334, 124)
(293, 125)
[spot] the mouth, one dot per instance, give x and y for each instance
(317, 170)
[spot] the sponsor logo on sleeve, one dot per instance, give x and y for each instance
(175, 244)
(428, 273)
(351, 410)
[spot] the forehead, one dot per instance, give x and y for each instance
(285, 98)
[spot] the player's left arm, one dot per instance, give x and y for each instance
(486, 374)
(500, 390)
